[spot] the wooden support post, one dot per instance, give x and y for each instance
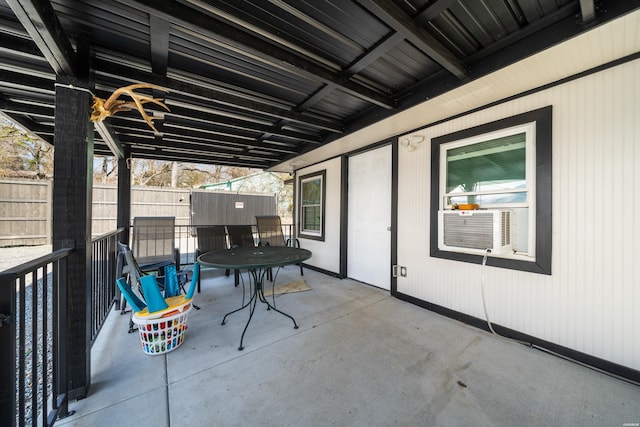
(124, 194)
(72, 194)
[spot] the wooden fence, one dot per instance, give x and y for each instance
(145, 201)
(25, 209)
(25, 212)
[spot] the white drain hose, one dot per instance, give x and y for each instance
(531, 345)
(484, 303)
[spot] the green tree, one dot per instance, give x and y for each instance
(24, 154)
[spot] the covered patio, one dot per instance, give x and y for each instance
(304, 87)
(360, 357)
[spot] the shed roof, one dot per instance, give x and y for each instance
(259, 82)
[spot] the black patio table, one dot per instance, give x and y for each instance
(257, 261)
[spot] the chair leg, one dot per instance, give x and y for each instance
(200, 275)
(236, 276)
(132, 326)
(301, 272)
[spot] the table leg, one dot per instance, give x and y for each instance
(253, 295)
(256, 279)
(264, 300)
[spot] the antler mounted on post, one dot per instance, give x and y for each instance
(102, 109)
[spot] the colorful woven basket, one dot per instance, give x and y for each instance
(164, 334)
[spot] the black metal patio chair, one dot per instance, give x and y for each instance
(240, 236)
(211, 238)
(270, 233)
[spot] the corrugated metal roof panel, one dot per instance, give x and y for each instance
(269, 73)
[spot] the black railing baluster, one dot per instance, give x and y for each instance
(33, 345)
(59, 392)
(21, 350)
(46, 313)
(21, 341)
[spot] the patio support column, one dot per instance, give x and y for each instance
(344, 215)
(124, 194)
(72, 198)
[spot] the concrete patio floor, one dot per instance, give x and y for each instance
(360, 357)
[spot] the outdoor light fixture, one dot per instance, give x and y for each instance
(411, 142)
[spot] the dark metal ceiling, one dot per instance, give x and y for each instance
(253, 83)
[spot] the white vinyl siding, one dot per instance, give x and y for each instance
(590, 302)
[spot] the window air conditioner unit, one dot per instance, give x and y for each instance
(475, 231)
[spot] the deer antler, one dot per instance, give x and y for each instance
(102, 109)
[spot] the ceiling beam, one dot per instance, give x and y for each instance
(203, 132)
(257, 47)
(431, 11)
(219, 124)
(587, 11)
(200, 140)
(28, 83)
(159, 34)
(389, 13)
(375, 52)
(19, 46)
(41, 22)
(207, 158)
(105, 130)
(218, 96)
(24, 122)
(211, 150)
(159, 45)
(12, 107)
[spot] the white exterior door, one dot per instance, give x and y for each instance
(369, 235)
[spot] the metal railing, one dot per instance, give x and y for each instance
(33, 322)
(33, 319)
(33, 303)
(104, 254)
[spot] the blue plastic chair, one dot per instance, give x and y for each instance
(171, 282)
(135, 303)
(159, 306)
(156, 304)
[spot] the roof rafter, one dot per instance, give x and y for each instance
(159, 34)
(399, 21)
(7, 106)
(268, 52)
(214, 122)
(41, 22)
(221, 97)
(587, 11)
(432, 10)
